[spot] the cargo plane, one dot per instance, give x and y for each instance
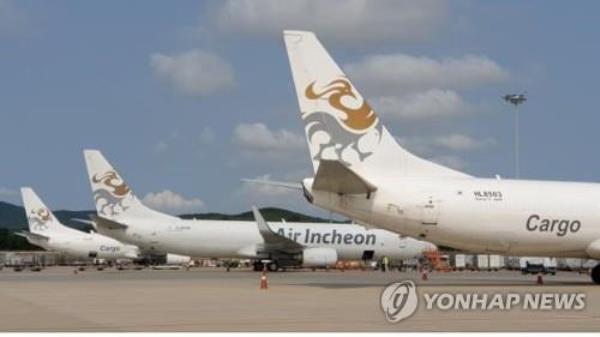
(47, 232)
(124, 217)
(362, 172)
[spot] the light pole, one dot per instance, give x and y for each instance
(516, 100)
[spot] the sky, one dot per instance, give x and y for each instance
(186, 98)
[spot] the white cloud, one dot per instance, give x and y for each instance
(207, 135)
(347, 21)
(172, 202)
(417, 145)
(258, 137)
(422, 105)
(454, 162)
(10, 195)
(161, 146)
(6, 192)
(398, 74)
(410, 87)
(460, 142)
(195, 72)
(426, 146)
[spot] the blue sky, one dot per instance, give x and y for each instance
(187, 97)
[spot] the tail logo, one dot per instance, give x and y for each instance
(352, 134)
(39, 218)
(358, 120)
(110, 196)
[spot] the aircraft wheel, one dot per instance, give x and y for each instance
(596, 274)
(257, 266)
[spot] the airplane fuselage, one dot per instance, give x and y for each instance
(242, 238)
(510, 217)
(86, 246)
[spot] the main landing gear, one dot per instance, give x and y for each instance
(271, 266)
(596, 274)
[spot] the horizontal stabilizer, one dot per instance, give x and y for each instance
(106, 223)
(282, 184)
(32, 236)
(273, 241)
(84, 221)
(333, 176)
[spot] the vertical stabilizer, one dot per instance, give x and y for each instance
(113, 198)
(338, 121)
(39, 217)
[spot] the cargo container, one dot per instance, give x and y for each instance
(459, 262)
(550, 265)
(482, 262)
(496, 262)
(512, 262)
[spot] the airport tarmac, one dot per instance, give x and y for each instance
(210, 299)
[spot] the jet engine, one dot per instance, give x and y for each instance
(319, 257)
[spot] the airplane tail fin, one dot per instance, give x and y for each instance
(40, 218)
(338, 121)
(113, 198)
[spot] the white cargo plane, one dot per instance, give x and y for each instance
(122, 216)
(362, 172)
(47, 232)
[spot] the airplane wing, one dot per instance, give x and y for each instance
(273, 241)
(282, 184)
(106, 223)
(364, 224)
(32, 236)
(334, 176)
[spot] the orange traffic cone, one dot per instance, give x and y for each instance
(540, 280)
(263, 279)
(424, 275)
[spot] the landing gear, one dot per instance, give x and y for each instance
(596, 274)
(272, 266)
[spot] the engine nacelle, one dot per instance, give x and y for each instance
(177, 259)
(593, 250)
(319, 257)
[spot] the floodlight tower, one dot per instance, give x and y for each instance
(516, 100)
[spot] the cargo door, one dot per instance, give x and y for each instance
(430, 212)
